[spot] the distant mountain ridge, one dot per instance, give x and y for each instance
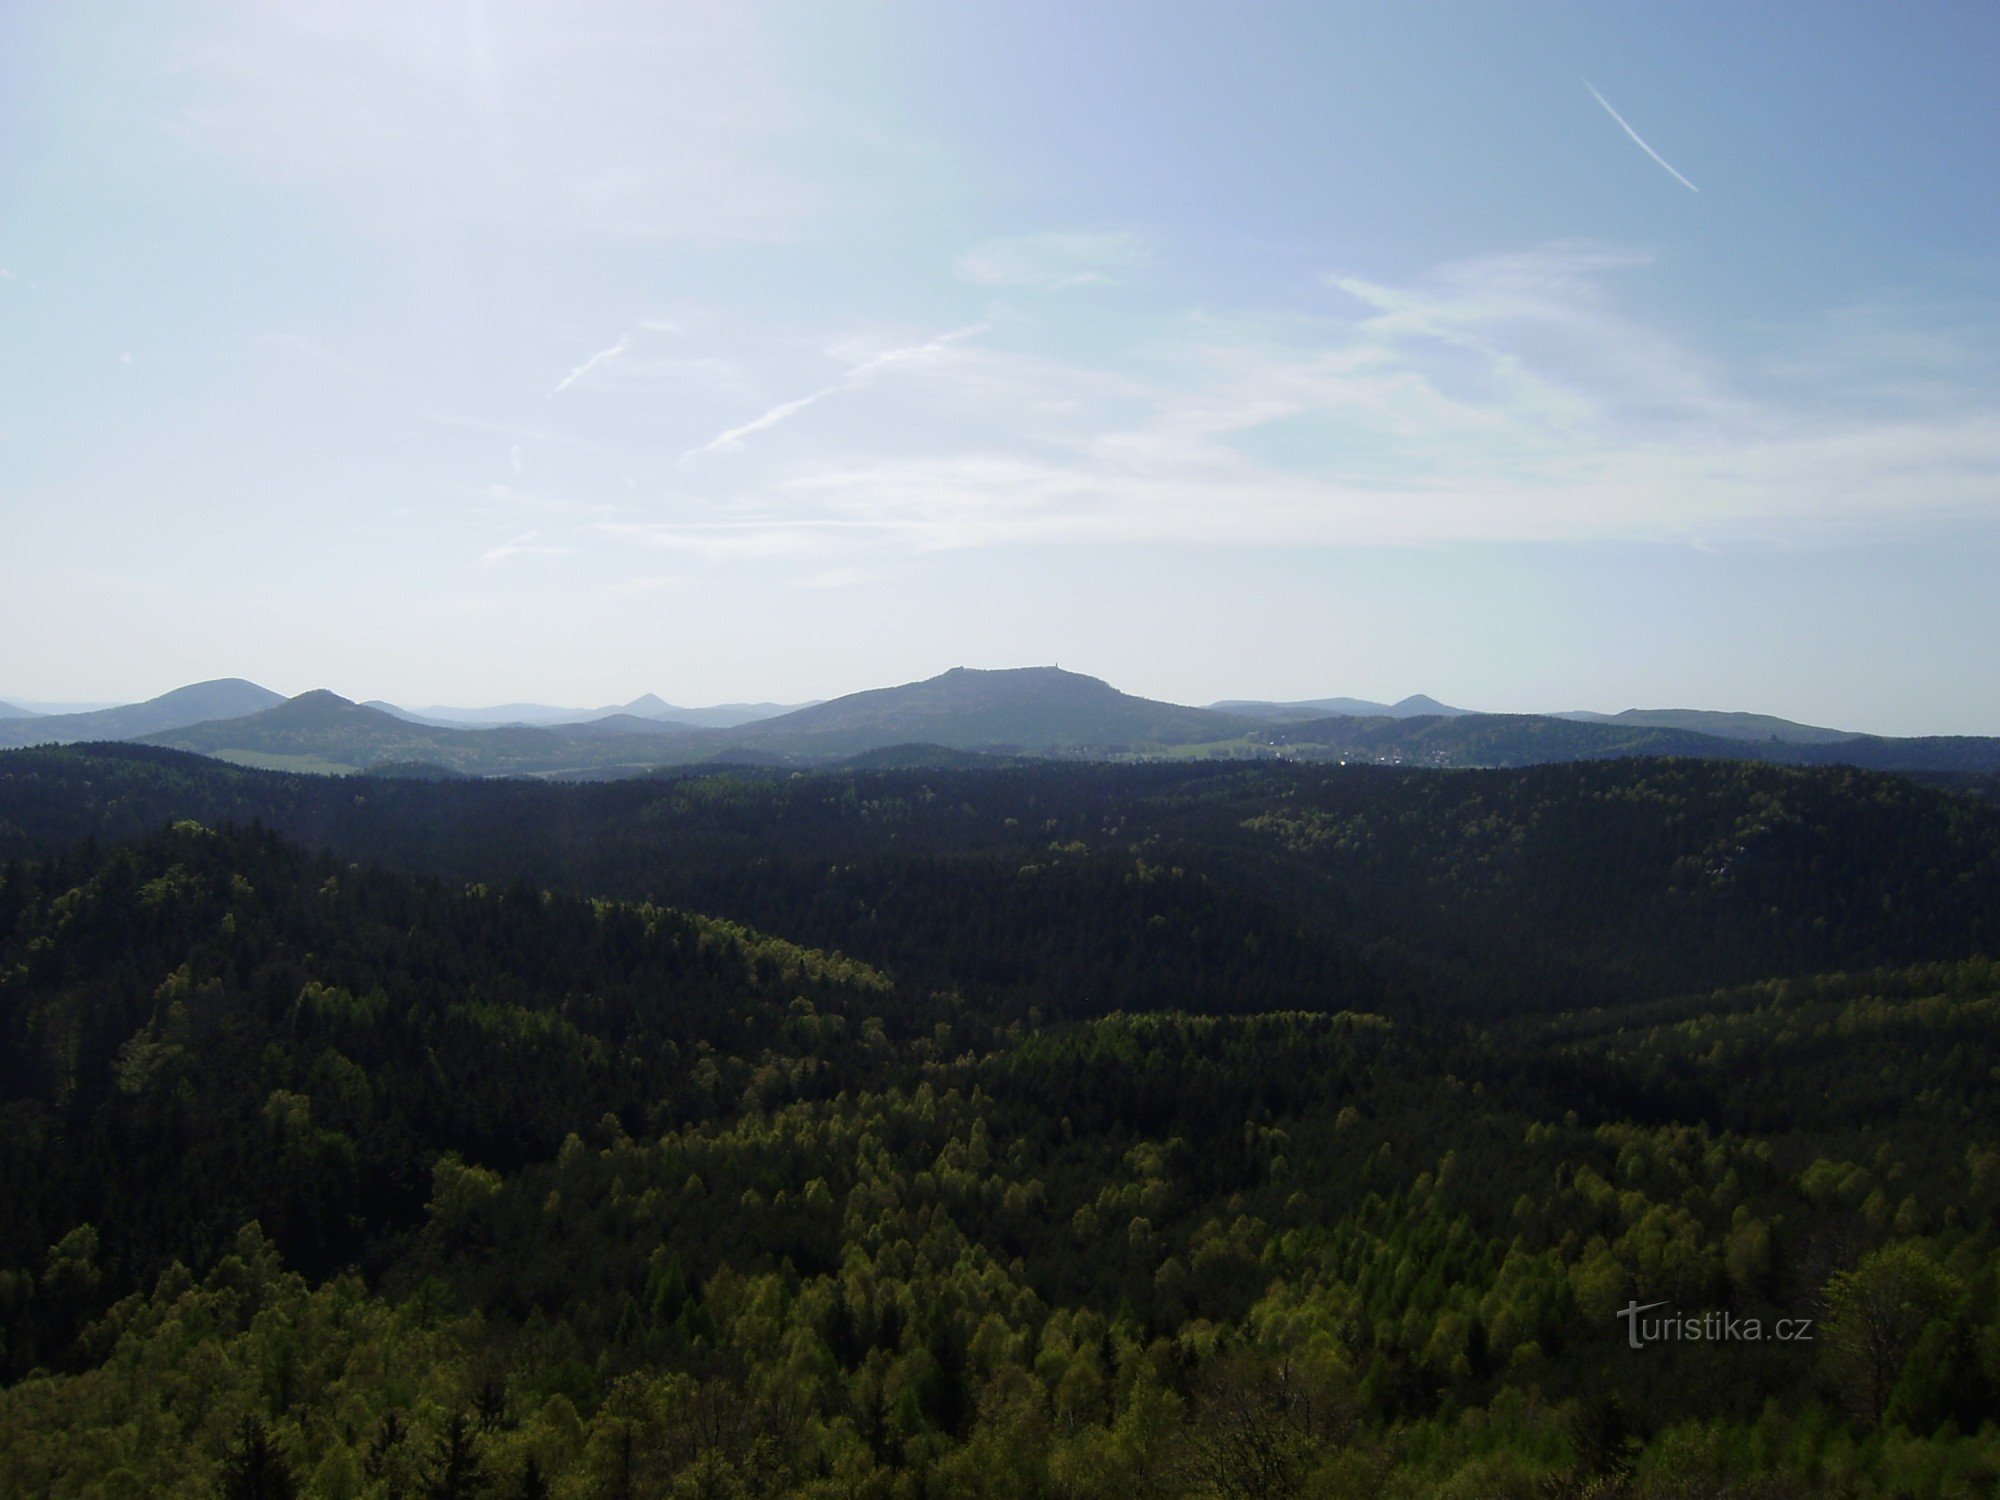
(323, 731)
(1414, 706)
(1014, 712)
(1729, 726)
(1030, 709)
(542, 715)
(198, 703)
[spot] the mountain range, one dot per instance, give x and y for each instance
(648, 706)
(1029, 711)
(1414, 706)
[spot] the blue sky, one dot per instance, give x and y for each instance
(476, 351)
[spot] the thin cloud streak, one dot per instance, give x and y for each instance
(1505, 398)
(624, 343)
(733, 437)
(1638, 138)
(520, 547)
(1052, 261)
(603, 356)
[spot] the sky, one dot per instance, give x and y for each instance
(1534, 356)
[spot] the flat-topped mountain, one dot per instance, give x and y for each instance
(223, 698)
(968, 709)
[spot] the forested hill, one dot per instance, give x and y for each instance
(225, 698)
(1535, 739)
(1026, 708)
(210, 1027)
(325, 1181)
(1083, 889)
(322, 731)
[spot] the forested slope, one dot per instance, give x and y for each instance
(638, 1204)
(1089, 888)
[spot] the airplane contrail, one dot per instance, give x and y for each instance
(1639, 138)
(650, 325)
(592, 363)
(855, 376)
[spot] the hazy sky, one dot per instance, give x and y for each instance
(1529, 355)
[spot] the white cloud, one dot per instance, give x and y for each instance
(1510, 398)
(1053, 260)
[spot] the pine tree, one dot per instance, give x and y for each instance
(255, 1469)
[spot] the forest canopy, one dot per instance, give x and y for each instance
(1059, 1131)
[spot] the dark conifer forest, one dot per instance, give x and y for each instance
(1623, 1128)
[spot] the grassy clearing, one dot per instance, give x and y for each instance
(264, 760)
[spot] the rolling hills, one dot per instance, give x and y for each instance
(1414, 706)
(1729, 726)
(198, 703)
(1031, 711)
(323, 731)
(1187, 1129)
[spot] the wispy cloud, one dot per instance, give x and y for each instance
(1507, 398)
(1640, 140)
(523, 545)
(856, 375)
(613, 351)
(1052, 261)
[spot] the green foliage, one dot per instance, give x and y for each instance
(362, 1183)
